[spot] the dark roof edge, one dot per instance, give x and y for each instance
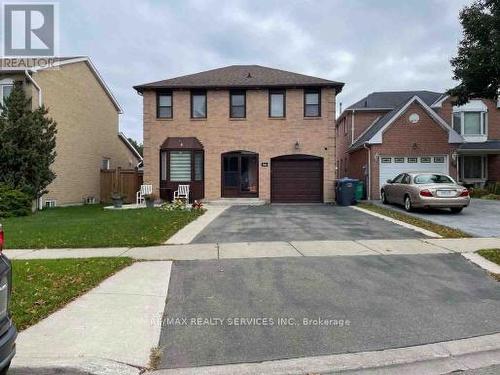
(141, 88)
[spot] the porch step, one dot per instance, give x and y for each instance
(236, 202)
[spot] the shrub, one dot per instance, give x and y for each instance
(491, 196)
(14, 202)
(478, 193)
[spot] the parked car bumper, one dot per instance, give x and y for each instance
(8, 346)
(433, 202)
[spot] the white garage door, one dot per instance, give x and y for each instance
(391, 166)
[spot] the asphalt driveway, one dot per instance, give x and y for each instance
(265, 309)
(480, 219)
(299, 223)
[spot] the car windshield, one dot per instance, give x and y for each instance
(433, 179)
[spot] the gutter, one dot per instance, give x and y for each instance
(369, 195)
(37, 87)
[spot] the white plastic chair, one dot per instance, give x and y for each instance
(182, 192)
(145, 190)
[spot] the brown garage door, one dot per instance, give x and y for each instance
(296, 179)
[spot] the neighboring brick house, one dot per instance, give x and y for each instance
(87, 116)
(387, 133)
(241, 131)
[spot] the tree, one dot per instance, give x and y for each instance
(138, 146)
(27, 144)
(477, 64)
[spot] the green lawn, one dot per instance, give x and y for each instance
(442, 230)
(92, 226)
(41, 287)
(492, 255)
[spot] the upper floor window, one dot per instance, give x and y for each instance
(277, 103)
(471, 119)
(312, 103)
(198, 104)
(164, 105)
(237, 104)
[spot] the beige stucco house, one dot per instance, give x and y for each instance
(241, 131)
(87, 116)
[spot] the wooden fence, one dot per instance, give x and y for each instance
(124, 181)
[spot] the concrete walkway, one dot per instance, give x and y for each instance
(110, 329)
(270, 249)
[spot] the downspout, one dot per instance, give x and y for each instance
(36, 86)
(369, 195)
(352, 127)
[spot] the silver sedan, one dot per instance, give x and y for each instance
(425, 190)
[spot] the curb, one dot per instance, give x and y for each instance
(190, 231)
(95, 366)
(482, 262)
(398, 222)
(437, 358)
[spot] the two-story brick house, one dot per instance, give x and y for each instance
(387, 133)
(241, 131)
(87, 116)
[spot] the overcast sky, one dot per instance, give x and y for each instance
(371, 45)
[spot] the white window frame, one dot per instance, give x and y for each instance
(50, 203)
(473, 106)
(108, 164)
(4, 83)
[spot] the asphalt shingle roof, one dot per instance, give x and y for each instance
(488, 145)
(244, 76)
(392, 99)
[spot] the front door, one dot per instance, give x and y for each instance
(240, 174)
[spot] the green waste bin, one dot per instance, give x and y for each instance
(360, 191)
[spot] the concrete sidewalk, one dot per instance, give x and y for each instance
(112, 328)
(270, 249)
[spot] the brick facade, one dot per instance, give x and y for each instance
(403, 138)
(269, 137)
(87, 130)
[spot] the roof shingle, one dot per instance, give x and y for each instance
(243, 76)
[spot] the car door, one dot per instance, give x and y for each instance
(396, 188)
(391, 188)
(404, 188)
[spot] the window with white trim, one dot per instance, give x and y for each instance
(425, 159)
(5, 91)
(412, 160)
(438, 159)
(105, 164)
(399, 160)
(386, 160)
(49, 203)
(471, 119)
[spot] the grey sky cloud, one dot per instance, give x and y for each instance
(369, 45)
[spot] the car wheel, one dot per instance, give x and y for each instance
(383, 197)
(408, 205)
(456, 210)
